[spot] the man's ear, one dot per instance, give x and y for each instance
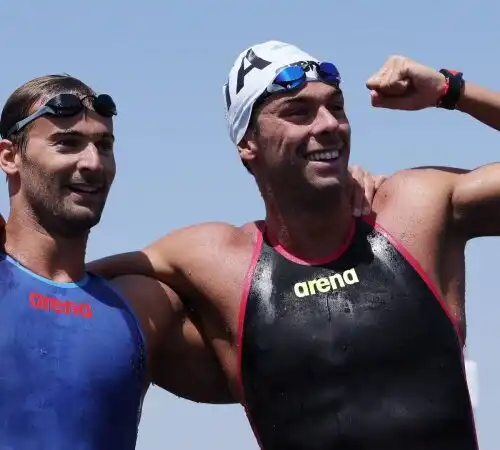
(8, 157)
(248, 147)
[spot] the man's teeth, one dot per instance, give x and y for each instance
(323, 156)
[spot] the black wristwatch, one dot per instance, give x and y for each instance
(454, 87)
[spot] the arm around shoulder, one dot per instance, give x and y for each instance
(168, 257)
(180, 358)
(122, 264)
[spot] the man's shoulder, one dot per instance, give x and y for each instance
(200, 258)
(203, 243)
(416, 187)
(416, 180)
(209, 234)
(427, 174)
(218, 228)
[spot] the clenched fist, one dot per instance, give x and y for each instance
(405, 84)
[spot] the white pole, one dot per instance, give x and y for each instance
(471, 372)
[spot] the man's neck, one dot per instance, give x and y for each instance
(310, 232)
(57, 258)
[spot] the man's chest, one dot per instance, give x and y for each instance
(426, 240)
(366, 305)
(321, 341)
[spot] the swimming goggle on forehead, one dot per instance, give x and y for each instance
(294, 76)
(68, 105)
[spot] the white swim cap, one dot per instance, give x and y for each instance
(252, 72)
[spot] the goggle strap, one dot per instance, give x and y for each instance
(30, 118)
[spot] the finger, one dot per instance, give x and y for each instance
(393, 76)
(399, 86)
(378, 181)
(374, 82)
(391, 88)
(357, 199)
(381, 75)
(402, 102)
(369, 193)
(397, 77)
(355, 189)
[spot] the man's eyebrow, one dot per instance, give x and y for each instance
(291, 101)
(303, 98)
(78, 134)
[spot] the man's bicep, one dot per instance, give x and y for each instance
(476, 202)
(153, 261)
(163, 259)
(180, 359)
(186, 364)
(129, 263)
(188, 367)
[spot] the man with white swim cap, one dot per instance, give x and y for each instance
(336, 332)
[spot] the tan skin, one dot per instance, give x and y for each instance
(184, 346)
(60, 153)
(67, 152)
(433, 212)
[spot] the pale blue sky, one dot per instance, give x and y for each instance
(165, 64)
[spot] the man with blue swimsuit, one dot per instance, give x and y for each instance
(73, 355)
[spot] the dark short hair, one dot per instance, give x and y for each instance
(20, 103)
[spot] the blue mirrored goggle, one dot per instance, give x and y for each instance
(294, 76)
